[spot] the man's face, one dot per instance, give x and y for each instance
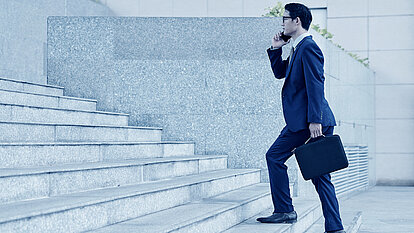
(289, 25)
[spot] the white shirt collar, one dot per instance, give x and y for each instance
(300, 38)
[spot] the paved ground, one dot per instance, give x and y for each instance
(384, 209)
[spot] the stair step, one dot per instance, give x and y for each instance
(51, 154)
(17, 184)
(25, 113)
(43, 100)
(17, 85)
(351, 220)
(308, 210)
(97, 208)
(53, 132)
(209, 215)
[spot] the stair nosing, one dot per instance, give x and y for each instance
(80, 125)
(127, 194)
(31, 83)
(27, 171)
(286, 227)
(65, 109)
(231, 205)
(90, 143)
(50, 95)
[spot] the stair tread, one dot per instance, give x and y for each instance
(186, 214)
(89, 143)
(30, 208)
(7, 172)
(50, 95)
(80, 125)
(31, 83)
(349, 219)
(303, 207)
(66, 110)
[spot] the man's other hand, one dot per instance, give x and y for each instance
(315, 130)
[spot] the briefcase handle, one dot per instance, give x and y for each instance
(293, 151)
(311, 138)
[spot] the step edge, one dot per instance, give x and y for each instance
(28, 171)
(31, 83)
(50, 95)
(92, 143)
(80, 125)
(66, 110)
(99, 200)
(355, 224)
(231, 206)
(288, 227)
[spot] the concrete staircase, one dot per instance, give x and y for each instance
(66, 167)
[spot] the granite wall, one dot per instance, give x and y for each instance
(201, 79)
(24, 31)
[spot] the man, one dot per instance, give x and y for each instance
(306, 112)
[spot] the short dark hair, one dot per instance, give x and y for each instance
(301, 11)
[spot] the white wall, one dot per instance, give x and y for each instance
(203, 8)
(382, 31)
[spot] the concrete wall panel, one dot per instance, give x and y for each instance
(395, 136)
(190, 8)
(395, 169)
(390, 33)
(387, 7)
(350, 33)
(347, 8)
(225, 8)
(395, 101)
(393, 67)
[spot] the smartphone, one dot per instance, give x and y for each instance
(285, 37)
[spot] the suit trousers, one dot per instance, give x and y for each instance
(276, 156)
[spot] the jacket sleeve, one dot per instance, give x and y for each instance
(278, 65)
(312, 61)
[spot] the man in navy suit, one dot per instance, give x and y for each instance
(306, 112)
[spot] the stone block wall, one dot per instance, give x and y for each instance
(23, 26)
(202, 79)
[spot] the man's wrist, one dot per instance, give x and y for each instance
(273, 48)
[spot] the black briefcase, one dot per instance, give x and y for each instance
(323, 156)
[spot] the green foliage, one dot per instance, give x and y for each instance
(323, 31)
(276, 11)
(329, 37)
(364, 61)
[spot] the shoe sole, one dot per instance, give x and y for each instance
(288, 221)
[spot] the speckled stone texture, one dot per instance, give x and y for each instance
(202, 79)
(23, 33)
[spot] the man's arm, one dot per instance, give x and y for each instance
(312, 62)
(275, 55)
(278, 65)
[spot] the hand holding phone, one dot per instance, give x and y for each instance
(278, 41)
(284, 37)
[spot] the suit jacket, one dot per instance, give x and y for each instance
(303, 96)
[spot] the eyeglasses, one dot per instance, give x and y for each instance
(286, 17)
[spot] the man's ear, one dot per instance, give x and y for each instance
(298, 22)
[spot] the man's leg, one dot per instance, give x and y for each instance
(326, 192)
(276, 157)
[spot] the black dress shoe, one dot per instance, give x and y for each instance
(290, 217)
(338, 231)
